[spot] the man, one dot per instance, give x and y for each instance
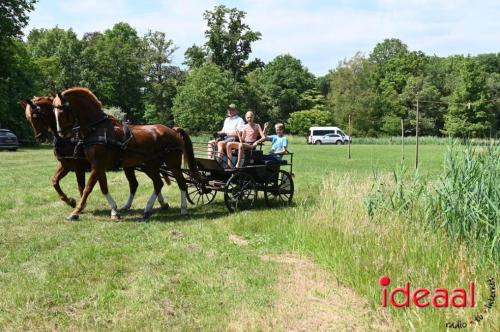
(232, 124)
(280, 143)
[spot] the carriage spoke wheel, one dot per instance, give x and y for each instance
(199, 194)
(240, 192)
(279, 189)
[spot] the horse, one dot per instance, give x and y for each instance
(106, 146)
(39, 113)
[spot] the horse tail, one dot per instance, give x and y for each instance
(188, 151)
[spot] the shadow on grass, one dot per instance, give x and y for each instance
(213, 210)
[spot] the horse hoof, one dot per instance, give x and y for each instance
(72, 217)
(145, 216)
(184, 213)
(115, 217)
(72, 202)
(165, 207)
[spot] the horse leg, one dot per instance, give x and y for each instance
(181, 182)
(154, 175)
(103, 183)
(80, 178)
(94, 175)
(133, 184)
(60, 173)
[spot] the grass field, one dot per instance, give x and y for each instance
(177, 273)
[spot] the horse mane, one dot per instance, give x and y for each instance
(42, 100)
(86, 92)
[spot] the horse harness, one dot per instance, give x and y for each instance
(102, 132)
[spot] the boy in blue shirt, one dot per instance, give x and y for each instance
(280, 143)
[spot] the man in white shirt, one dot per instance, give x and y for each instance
(232, 124)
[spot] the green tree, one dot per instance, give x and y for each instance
(57, 53)
(161, 77)
(200, 104)
(283, 83)
(195, 57)
(113, 68)
(18, 75)
(351, 93)
(14, 17)
(394, 65)
(469, 113)
(431, 109)
(229, 39)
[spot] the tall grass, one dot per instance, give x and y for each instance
(464, 201)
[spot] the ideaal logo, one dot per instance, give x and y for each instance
(423, 297)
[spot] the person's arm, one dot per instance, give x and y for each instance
(263, 136)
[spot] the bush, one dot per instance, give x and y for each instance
(116, 112)
(299, 122)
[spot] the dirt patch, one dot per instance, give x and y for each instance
(309, 299)
(238, 240)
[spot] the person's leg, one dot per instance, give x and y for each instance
(221, 145)
(241, 151)
(229, 152)
(210, 148)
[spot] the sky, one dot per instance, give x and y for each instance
(320, 33)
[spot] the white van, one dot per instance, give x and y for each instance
(327, 135)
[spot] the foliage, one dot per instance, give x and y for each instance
(14, 17)
(299, 122)
(229, 39)
(17, 72)
(351, 94)
(283, 82)
(201, 103)
(115, 112)
(57, 53)
(469, 113)
(161, 77)
(113, 68)
(195, 57)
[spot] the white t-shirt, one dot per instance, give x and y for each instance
(233, 123)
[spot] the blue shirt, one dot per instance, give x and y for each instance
(279, 143)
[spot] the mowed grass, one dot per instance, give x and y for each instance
(184, 273)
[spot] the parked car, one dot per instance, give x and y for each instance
(8, 140)
(327, 135)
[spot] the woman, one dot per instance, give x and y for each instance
(248, 139)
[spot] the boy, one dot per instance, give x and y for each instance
(280, 143)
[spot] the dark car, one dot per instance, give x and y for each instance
(8, 140)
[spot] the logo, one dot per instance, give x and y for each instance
(423, 297)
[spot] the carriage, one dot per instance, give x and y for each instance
(240, 186)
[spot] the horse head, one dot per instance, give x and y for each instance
(64, 116)
(38, 112)
(75, 105)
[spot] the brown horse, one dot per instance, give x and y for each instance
(39, 113)
(106, 146)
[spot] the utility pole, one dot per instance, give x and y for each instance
(416, 136)
(402, 141)
(349, 140)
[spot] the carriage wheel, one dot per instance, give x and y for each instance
(199, 194)
(279, 189)
(240, 192)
